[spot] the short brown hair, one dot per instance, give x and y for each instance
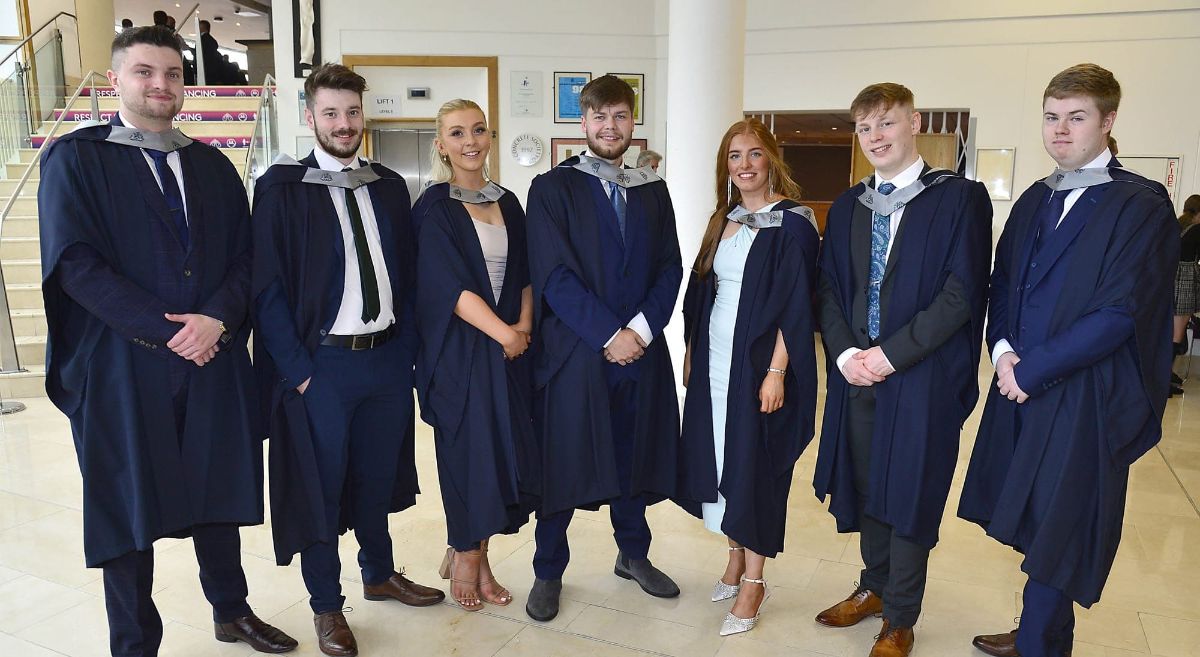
(332, 76)
(1089, 81)
(880, 97)
(150, 35)
(605, 90)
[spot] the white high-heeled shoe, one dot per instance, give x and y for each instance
(735, 625)
(723, 591)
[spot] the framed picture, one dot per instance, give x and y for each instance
(563, 148)
(566, 96)
(994, 168)
(638, 82)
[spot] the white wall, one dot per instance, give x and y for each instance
(534, 35)
(993, 58)
(444, 84)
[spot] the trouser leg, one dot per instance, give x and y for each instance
(219, 553)
(134, 627)
(552, 552)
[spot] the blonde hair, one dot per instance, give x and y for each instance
(441, 171)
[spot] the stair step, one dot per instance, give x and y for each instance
(29, 321)
(31, 383)
(185, 116)
(196, 130)
(18, 226)
(212, 91)
(31, 350)
(22, 270)
(24, 296)
(7, 187)
(236, 154)
(14, 171)
(19, 248)
(193, 104)
(220, 139)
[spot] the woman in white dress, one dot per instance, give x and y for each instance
(749, 329)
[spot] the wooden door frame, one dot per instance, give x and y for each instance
(492, 64)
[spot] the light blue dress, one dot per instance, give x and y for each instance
(728, 264)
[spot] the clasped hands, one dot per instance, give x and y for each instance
(1006, 377)
(517, 342)
(868, 367)
(197, 340)
(625, 348)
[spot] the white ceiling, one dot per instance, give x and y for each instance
(226, 32)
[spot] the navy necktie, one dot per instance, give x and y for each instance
(366, 268)
(1051, 213)
(881, 235)
(618, 205)
(170, 190)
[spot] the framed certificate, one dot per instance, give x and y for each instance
(994, 168)
(638, 82)
(567, 87)
(564, 148)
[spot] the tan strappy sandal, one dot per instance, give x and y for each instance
(469, 602)
(501, 599)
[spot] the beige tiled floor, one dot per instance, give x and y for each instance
(51, 605)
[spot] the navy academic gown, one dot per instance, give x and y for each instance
(760, 449)
(295, 224)
(142, 480)
(477, 402)
(568, 240)
(919, 409)
(1092, 325)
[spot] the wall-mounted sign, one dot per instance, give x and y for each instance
(527, 149)
(526, 93)
(382, 106)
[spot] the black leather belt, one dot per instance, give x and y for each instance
(360, 342)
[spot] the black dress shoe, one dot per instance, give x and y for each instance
(259, 635)
(1176, 391)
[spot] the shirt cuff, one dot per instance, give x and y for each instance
(846, 355)
(642, 328)
(1002, 347)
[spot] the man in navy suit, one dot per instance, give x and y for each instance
(605, 268)
(145, 239)
(1079, 326)
(333, 293)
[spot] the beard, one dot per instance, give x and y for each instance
(325, 139)
(153, 109)
(608, 151)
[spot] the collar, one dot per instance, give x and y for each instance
(328, 162)
(904, 178)
(588, 153)
(1101, 160)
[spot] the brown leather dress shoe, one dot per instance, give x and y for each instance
(399, 587)
(334, 635)
(861, 604)
(893, 642)
(259, 635)
(997, 645)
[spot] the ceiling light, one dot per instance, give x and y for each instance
(796, 131)
(246, 13)
(834, 127)
(238, 24)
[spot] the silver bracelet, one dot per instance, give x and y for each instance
(777, 371)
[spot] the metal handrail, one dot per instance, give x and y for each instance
(268, 89)
(10, 360)
(17, 48)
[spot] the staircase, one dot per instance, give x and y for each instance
(220, 116)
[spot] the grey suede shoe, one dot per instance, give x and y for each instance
(543, 599)
(652, 580)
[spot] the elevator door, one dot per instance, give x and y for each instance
(405, 151)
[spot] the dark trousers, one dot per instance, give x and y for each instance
(895, 567)
(1047, 622)
(358, 403)
(627, 513)
(134, 626)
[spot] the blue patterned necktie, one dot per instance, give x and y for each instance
(618, 205)
(170, 190)
(881, 234)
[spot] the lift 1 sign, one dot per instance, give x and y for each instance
(383, 106)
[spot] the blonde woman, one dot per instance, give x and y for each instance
(475, 316)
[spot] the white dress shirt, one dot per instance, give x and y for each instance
(902, 180)
(638, 323)
(349, 317)
(1002, 346)
(172, 162)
